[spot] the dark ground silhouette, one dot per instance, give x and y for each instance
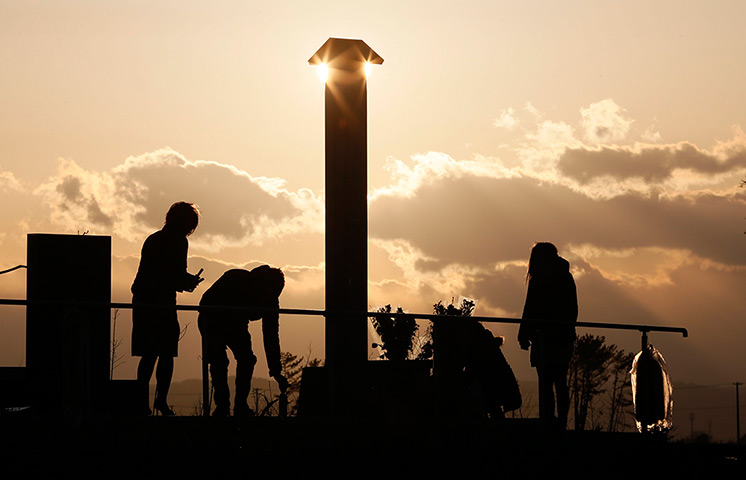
(139, 445)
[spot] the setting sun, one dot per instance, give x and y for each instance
(322, 70)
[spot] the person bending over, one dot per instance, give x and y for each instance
(221, 329)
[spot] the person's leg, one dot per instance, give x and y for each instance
(563, 394)
(163, 374)
(212, 328)
(546, 395)
(144, 373)
(240, 345)
(145, 368)
(219, 373)
(244, 373)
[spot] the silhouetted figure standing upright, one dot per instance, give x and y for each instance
(258, 288)
(162, 272)
(551, 296)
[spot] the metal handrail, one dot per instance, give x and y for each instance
(312, 312)
(644, 329)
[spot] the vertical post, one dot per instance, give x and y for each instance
(346, 191)
(68, 346)
(738, 414)
(206, 401)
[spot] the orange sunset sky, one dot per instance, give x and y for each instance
(613, 129)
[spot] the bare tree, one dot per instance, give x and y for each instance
(183, 331)
(597, 368)
(620, 399)
(588, 375)
(116, 360)
(259, 398)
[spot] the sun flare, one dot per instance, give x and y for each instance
(322, 70)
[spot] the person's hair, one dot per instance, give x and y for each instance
(182, 216)
(270, 279)
(543, 254)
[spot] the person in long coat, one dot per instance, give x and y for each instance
(551, 297)
(162, 273)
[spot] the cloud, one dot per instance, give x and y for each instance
(603, 122)
(432, 167)
(540, 148)
(131, 200)
(78, 199)
(70, 190)
(642, 267)
(598, 158)
(506, 119)
(476, 220)
(650, 163)
(420, 271)
(651, 135)
(9, 183)
(530, 108)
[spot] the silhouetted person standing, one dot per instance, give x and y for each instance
(551, 296)
(162, 272)
(258, 288)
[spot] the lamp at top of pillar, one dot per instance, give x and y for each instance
(345, 54)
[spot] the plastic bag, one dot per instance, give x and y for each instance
(652, 391)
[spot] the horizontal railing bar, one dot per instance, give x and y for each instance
(312, 312)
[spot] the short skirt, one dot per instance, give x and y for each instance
(155, 331)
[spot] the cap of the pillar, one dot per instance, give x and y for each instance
(345, 54)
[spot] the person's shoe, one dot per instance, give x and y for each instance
(243, 411)
(221, 411)
(163, 410)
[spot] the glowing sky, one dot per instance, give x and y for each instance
(613, 129)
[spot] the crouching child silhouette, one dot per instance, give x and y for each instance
(221, 329)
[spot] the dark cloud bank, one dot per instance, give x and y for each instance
(478, 221)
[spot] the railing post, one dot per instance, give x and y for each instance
(206, 401)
